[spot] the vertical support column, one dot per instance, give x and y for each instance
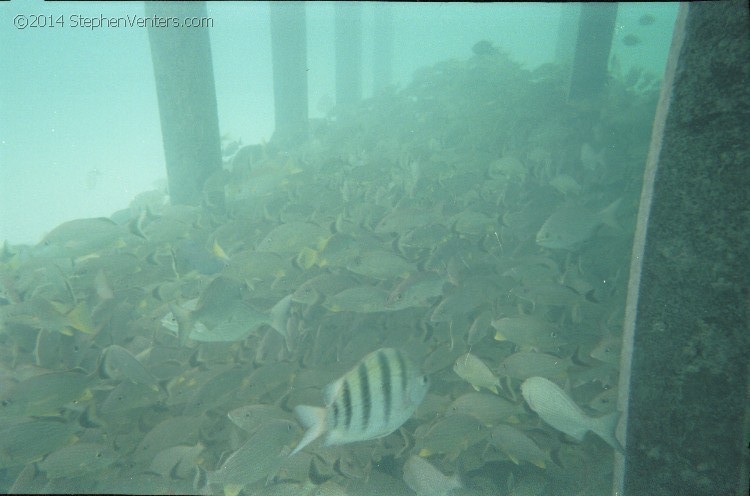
(348, 53)
(185, 89)
(567, 31)
(596, 26)
(289, 52)
(382, 60)
(684, 380)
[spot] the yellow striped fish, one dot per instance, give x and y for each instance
(370, 401)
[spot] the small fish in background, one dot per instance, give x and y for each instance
(608, 349)
(631, 40)
(221, 314)
(292, 237)
(566, 185)
(176, 461)
(528, 332)
(370, 401)
(77, 460)
(450, 435)
(557, 409)
(260, 457)
(524, 364)
(360, 299)
(474, 371)
(380, 264)
(426, 480)
(119, 364)
(606, 401)
(571, 225)
(518, 446)
(45, 394)
(591, 159)
(416, 290)
(190, 255)
(489, 409)
(646, 20)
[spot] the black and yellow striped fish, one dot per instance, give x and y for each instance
(370, 401)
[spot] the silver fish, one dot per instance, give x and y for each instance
(474, 371)
(370, 401)
(259, 457)
(77, 459)
(426, 480)
(558, 410)
(571, 225)
(518, 446)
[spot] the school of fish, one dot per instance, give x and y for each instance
(424, 298)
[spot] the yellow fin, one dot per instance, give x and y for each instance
(306, 258)
(322, 243)
(232, 489)
(217, 250)
(80, 319)
(87, 395)
(424, 452)
(292, 168)
(539, 463)
(499, 336)
(59, 306)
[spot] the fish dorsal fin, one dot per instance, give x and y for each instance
(608, 215)
(331, 391)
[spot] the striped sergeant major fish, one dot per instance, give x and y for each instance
(370, 401)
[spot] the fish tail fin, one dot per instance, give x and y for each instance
(184, 320)
(455, 482)
(280, 314)
(313, 419)
(608, 215)
(604, 427)
(219, 252)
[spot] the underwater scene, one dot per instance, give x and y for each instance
(425, 297)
